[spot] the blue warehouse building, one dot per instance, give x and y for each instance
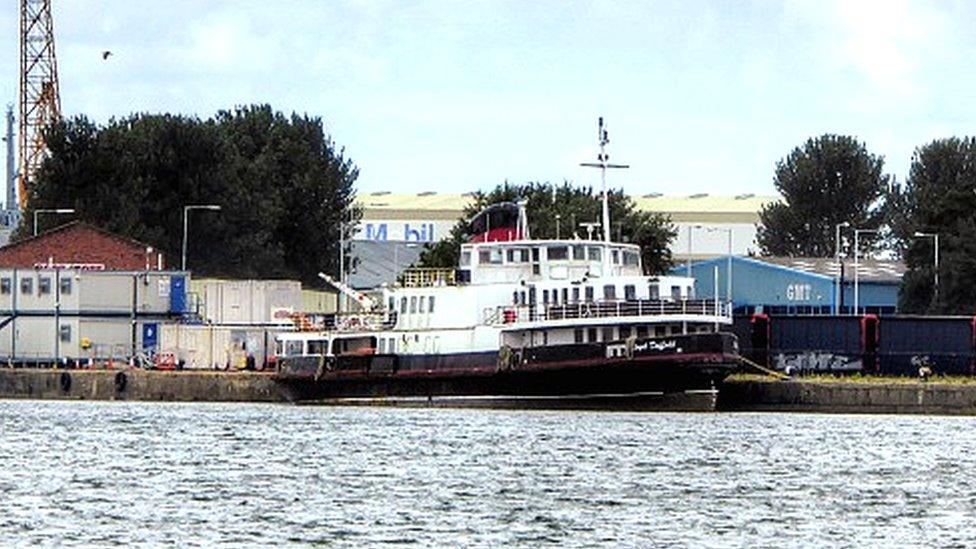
(800, 286)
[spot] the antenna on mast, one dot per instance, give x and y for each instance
(603, 162)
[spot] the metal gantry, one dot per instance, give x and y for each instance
(40, 97)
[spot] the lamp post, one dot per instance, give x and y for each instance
(186, 211)
(690, 227)
(728, 265)
(935, 238)
(838, 293)
(51, 211)
(857, 236)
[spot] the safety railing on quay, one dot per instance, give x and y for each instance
(512, 314)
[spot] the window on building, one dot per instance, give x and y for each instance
(609, 292)
(26, 285)
(557, 253)
(5, 285)
(65, 332)
(43, 285)
(630, 292)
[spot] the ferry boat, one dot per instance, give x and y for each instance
(550, 322)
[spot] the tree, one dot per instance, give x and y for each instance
(281, 182)
(938, 198)
(563, 207)
(832, 179)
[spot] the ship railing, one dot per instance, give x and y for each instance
(512, 314)
(345, 322)
(425, 278)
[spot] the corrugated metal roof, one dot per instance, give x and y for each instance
(684, 204)
(875, 270)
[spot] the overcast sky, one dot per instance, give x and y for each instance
(455, 96)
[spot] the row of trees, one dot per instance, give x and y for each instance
(284, 188)
(833, 179)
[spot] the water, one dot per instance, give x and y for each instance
(208, 474)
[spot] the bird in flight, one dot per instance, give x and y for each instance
(105, 54)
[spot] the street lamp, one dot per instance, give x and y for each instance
(51, 211)
(186, 211)
(935, 238)
(857, 235)
(838, 292)
(728, 265)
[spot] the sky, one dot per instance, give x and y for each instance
(454, 96)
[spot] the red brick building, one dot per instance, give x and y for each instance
(79, 245)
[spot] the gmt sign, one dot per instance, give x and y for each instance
(799, 292)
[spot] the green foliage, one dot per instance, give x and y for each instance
(938, 197)
(832, 179)
(550, 205)
(280, 181)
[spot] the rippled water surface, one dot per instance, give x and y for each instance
(231, 474)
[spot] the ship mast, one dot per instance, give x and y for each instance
(603, 163)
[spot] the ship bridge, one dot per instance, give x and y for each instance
(538, 260)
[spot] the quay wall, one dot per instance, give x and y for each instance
(136, 385)
(871, 397)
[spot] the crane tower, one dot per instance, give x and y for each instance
(40, 99)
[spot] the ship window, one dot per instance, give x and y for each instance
(413, 304)
(403, 305)
(5, 285)
(608, 333)
(318, 347)
(423, 304)
(515, 298)
(391, 303)
(535, 255)
(493, 256)
(591, 335)
(589, 293)
(675, 330)
(518, 255)
(615, 256)
(624, 332)
(579, 253)
(630, 292)
(609, 292)
(565, 295)
(594, 253)
(430, 305)
(532, 295)
(652, 292)
(556, 253)
(659, 331)
(578, 335)
(465, 258)
(642, 331)
(575, 295)
(545, 297)
(631, 259)
(43, 285)
(675, 292)
(293, 348)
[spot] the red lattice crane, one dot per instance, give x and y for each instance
(40, 98)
